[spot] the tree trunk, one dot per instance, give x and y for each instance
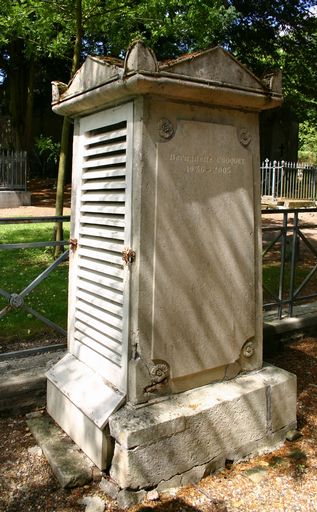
(28, 127)
(64, 152)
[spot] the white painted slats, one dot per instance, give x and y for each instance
(107, 160)
(115, 246)
(102, 220)
(100, 302)
(104, 149)
(100, 348)
(97, 253)
(102, 232)
(102, 279)
(97, 325)
(106, 136)
(100, 313)
(107, 172)
(99, 337)
(100, 290)
(102, 267)
(100, 331)
(103, 196)
(104, 184)
(112, 209)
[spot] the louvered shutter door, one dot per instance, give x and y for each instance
(100, 324)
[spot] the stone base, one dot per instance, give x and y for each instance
(180, 439)
(14, 199)
(95, 442)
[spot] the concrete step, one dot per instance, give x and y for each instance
(23, 382)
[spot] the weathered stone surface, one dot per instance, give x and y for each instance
(223, 420)
(283, 399)
(153, 495)
(35, 450)
(14, 199)
(127, 499)
(70, 466)
(109, 487)
(293, 435)
(93, 504)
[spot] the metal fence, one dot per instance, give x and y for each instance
(293, 247)
(16, 300)
(288, 180)
(13, 170)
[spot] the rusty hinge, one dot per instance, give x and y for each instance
(128, 256)
(73, 242)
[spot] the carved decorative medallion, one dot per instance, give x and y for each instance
(166, 129)
(248, 349)
(159, 372)
(244, 136)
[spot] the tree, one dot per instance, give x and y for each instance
(29, 32)
(280, 34)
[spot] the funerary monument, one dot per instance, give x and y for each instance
(164, 379)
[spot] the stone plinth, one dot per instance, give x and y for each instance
(187, 436)
(14, 199)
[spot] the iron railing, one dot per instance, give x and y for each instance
(290, 243)
(288, 180)
(16, 300)
(13, 170)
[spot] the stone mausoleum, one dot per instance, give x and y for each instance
(164, 380)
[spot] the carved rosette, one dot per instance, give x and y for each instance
(159, 372)
(244, 136)
(248, 349)
(166, 129)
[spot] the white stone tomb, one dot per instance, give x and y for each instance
(165, 309)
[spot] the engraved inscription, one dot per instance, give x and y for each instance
(220, 165)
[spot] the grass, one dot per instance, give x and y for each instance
(18, 268)
(271, 276)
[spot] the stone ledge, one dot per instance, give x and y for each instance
(70, 466)
(226, 420)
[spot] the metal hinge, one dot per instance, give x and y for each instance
(128, 256)
(73, 242)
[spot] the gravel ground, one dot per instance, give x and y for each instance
(285, 480)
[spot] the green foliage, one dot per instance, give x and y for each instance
(18, 268)
(47, 148)
(263, 35)
(308, 142)
(281, 34)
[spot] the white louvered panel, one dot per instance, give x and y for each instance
(107, 160)
(100, 290)
(101, 231)
(100, 302)
(93, 334)
(99, 332)
(104, 197)
(104, 149)
(86, 241)
(109, 257)
(100, 326)
(107, 172)
(102, 220)
(99, 349)
(108, 136)
(112, 209)
(98, 313)
(102, 267)
(102, 279)
(102, 184)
